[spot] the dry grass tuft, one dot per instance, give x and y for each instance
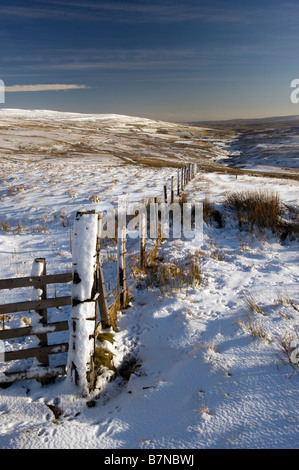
(290, 351)
(252, 305)
(113, 313)
(171, 275)
(260, 209)
(5, 227)
(255, 328)
(284, 299)
(208, 210)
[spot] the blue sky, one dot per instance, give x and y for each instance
(174, 60)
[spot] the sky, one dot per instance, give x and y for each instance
(173, 60)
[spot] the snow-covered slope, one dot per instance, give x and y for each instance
(49, 115)
(38, 134)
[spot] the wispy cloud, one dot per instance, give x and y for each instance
(170, 11)
(152, 60)
(43, 87)
(44, 12)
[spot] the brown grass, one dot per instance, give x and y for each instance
(289, 352)
(208, 210)
(171, 275)
(260, 209)
(113, 313)
(252, 305)
(255, 328)
(5, 226)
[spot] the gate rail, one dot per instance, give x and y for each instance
(41, 329)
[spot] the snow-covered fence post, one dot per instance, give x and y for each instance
(182, 178)
(142, 229)
(84, 302)
(154, 222)
(103, 304)
(121, 267)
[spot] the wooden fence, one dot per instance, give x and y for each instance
(88, 278)
(88, 296)
(41, 329)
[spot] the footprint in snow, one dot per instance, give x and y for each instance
(47, 434)
(4, 409)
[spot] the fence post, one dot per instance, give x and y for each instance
(165, 193)
(171, 191)
(178, 182)
(102, 301)
(142, 228)
(39, 269)
(121, 268)
(84, 302)
(154, 222)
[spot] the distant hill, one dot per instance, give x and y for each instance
(245, 124)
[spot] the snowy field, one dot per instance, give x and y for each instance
(211, 371)
(271, 146)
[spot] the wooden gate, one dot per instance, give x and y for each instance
(43, 372)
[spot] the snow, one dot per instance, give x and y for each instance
(271, 150)
(82, 326)
(48, 115)
(202, 379)
(84, 254)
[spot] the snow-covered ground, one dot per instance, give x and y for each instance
(211, 373)
(271, 149)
